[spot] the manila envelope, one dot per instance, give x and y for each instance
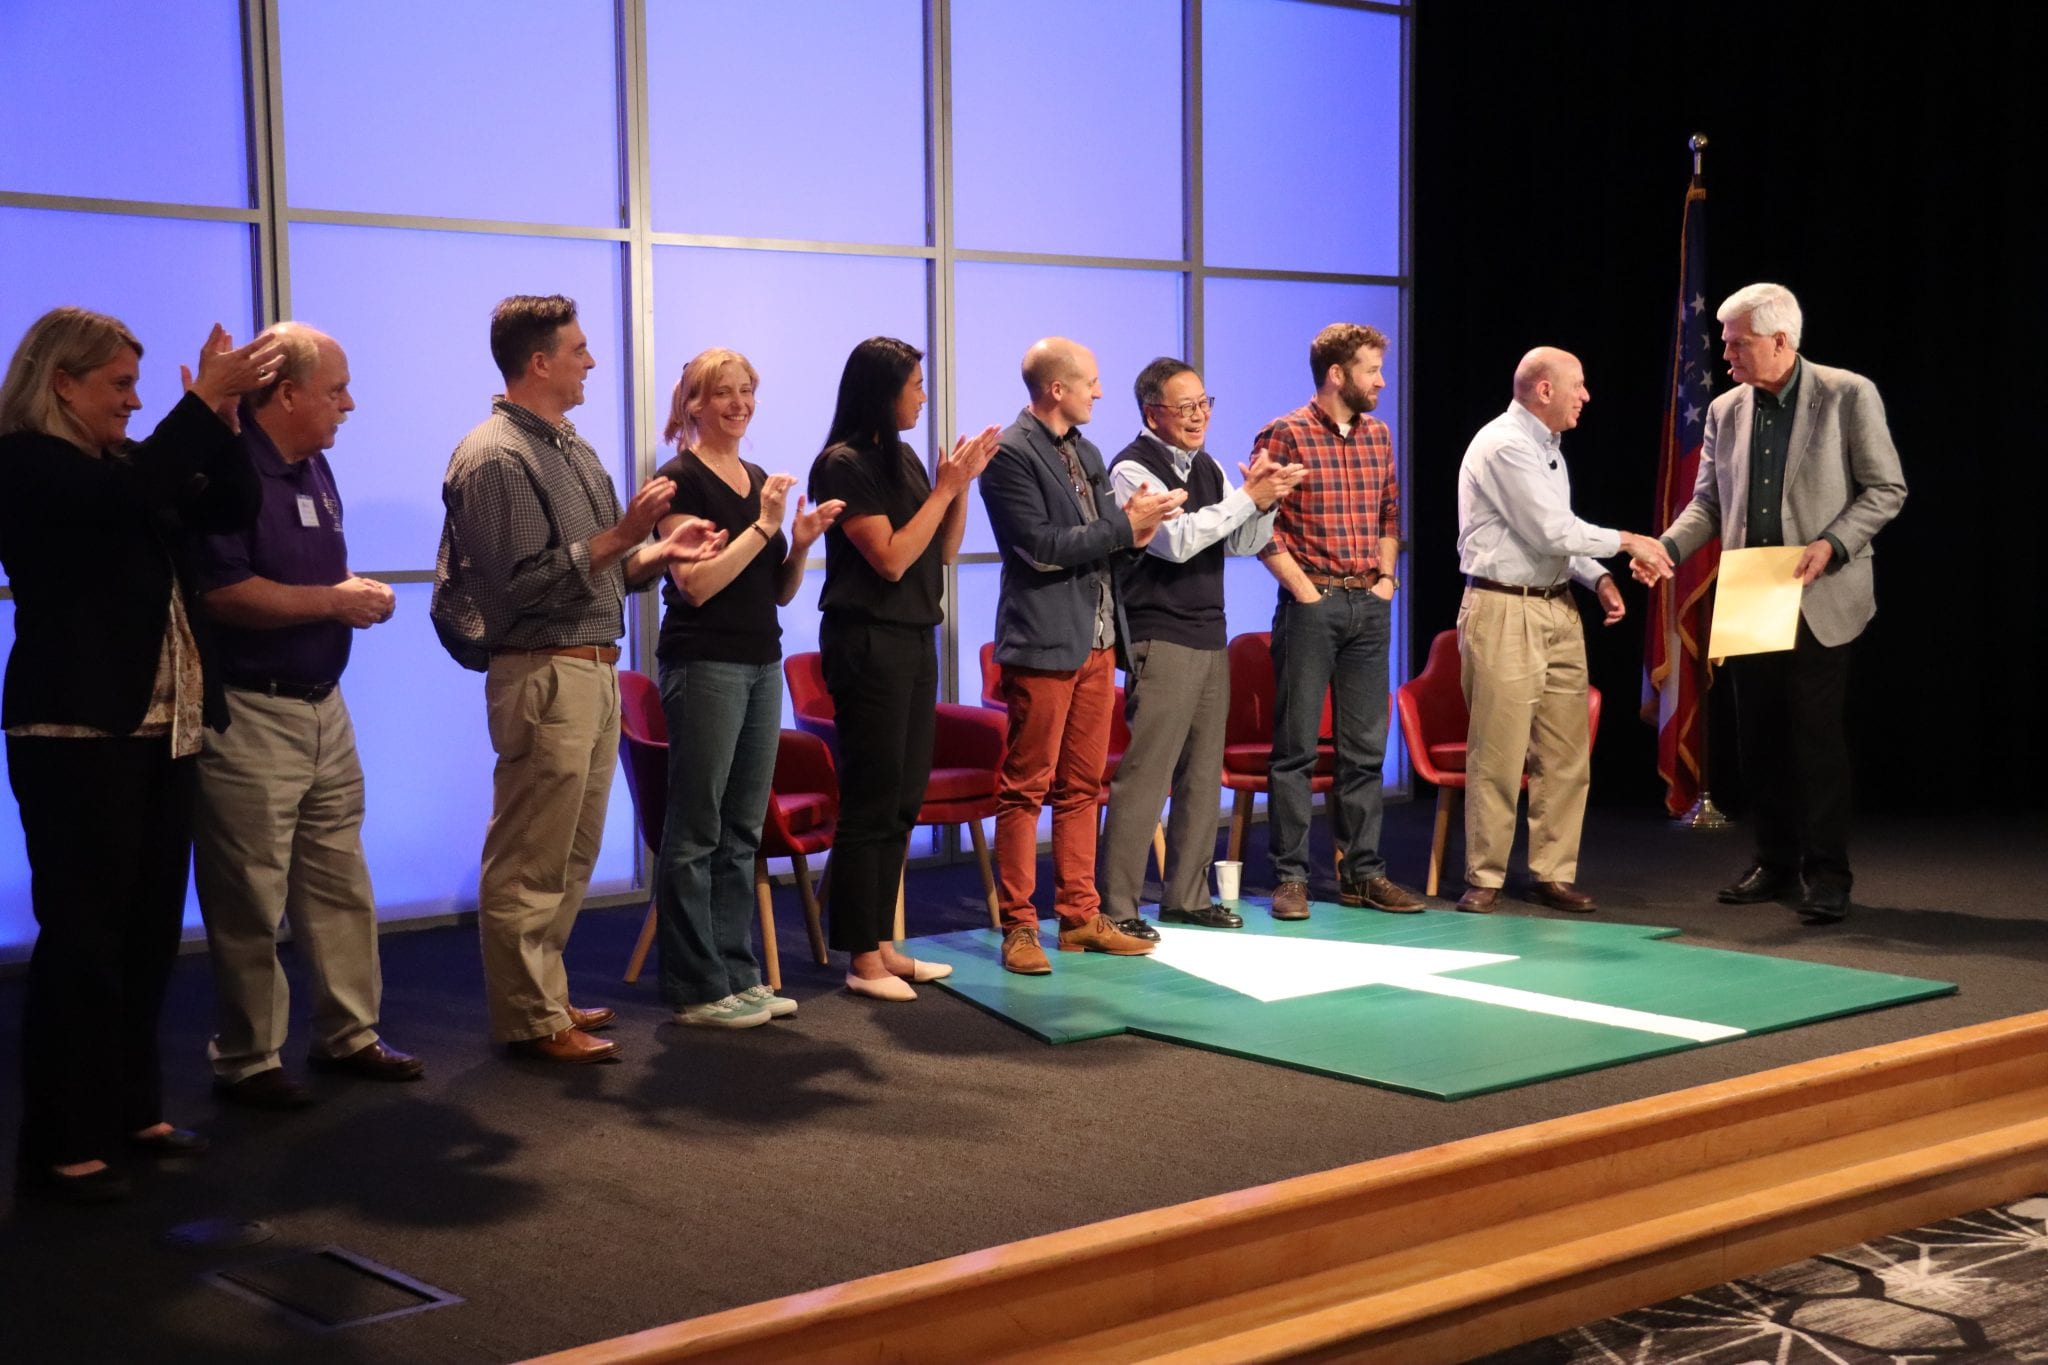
(1756, 601)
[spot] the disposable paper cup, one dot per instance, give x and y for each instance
(1227, 875)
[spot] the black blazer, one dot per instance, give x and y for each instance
(1053, 560)
(91, 547)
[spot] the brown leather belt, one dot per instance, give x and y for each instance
(1349, 580)
(600, 654)
(1519, 589)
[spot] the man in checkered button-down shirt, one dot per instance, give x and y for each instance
(536, 560)
(1335, 546)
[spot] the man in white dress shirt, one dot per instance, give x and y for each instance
(1520, 639)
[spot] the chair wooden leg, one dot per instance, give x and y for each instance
(900, 875)
(1240, 822)
(1159, 852)
(988, 875)
(813, 916)
(1337, 865)
(764, 897)
(1446, 801)
(640, 949)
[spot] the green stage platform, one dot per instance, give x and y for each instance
(1440, 1003)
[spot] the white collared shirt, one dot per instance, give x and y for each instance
(1234, 515)
(1515, 522)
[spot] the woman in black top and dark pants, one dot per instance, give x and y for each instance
(108, 682)
(721, 689)
(884, 589)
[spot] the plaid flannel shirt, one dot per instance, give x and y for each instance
(1332, 523)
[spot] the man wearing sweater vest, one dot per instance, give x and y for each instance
(1177, 685)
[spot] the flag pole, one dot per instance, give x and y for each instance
(1704, 814)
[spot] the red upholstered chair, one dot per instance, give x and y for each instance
(1119, 739)
(803, 804)
(1433, 722)
(1248, 735)
(967, 754)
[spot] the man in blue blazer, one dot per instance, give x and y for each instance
(1059, 633)
(1798, 454)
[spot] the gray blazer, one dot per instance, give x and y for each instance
(1842, 478)
(1053, 560)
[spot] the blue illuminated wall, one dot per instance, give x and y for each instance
(764, 176)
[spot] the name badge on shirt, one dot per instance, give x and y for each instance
(309, 515)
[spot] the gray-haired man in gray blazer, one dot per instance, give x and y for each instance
(1798, 454)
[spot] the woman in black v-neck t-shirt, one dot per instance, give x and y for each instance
(884, 580)
(721, 688)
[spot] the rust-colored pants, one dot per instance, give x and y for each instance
(1058, 739)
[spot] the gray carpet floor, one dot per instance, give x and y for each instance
(710, 1170)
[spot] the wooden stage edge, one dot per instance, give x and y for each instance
(1451, 1252)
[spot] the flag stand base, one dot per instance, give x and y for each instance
(1703, 815)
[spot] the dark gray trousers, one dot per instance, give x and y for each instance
(1175, 700)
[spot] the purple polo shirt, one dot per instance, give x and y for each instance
(296, 540)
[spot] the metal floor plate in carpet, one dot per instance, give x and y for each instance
(1439, 1003)
(1967, 1291)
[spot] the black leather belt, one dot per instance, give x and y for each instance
(1519, 589)
(272, 687)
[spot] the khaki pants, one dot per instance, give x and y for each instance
(1524, 673)
(555, 725)
(277, 836)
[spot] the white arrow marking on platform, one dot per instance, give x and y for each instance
(1271, 968)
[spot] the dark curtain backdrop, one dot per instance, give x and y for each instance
(1875, 159)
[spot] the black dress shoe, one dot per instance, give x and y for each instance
(371, 1062)
(1137, 927)
(103, 1186)
(169, 1145)
(1759, 884)
(1208, 916)
(270, 1089)
(1824, 904)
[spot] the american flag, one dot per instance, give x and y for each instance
(1674, 668)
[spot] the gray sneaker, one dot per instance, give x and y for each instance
(731, 1012)
(778, 1006)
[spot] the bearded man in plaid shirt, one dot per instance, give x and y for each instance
(1335, 545)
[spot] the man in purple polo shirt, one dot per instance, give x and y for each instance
(278, 832)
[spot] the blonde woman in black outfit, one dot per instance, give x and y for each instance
(721, 689)
(884, 583)
(109, 680)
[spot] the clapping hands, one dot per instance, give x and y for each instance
(1268, 481)
(226, 372)
(970, 456)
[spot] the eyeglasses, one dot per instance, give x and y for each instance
(1190, 410)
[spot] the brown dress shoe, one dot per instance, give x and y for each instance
(371, 1062)
(590, 1021)
(1290, 900)
(570, 1045)
(1022, 953)
(269, 1089)
(1098, 934)
(1562, 896)
(1382, 894)
(1479, 899)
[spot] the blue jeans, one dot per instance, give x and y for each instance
(1337, 644)
(724, 725)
